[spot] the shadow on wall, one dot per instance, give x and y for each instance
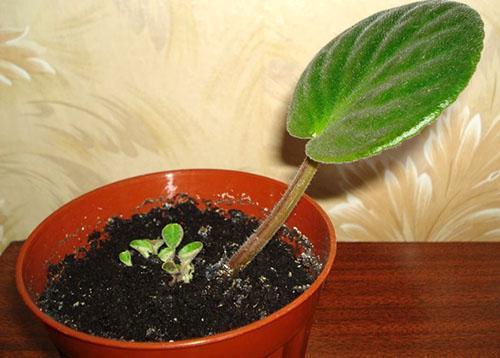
(328, 182)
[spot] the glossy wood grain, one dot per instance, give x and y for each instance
(381, 299)
(411, 299)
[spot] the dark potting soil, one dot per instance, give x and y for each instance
(93, 292)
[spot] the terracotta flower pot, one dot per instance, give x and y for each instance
(282, 334)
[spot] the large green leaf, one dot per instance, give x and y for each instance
(381, 81)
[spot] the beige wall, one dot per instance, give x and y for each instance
(95, 91)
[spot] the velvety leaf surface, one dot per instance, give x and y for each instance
(382, 80)
(172, 234)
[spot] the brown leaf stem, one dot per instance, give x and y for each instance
(256, 242)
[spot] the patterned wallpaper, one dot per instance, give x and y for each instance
(96, 91)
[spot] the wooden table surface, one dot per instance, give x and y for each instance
(391, 299)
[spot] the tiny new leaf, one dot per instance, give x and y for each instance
(385, 78)
(167, 254)
(189, 251)
(172, 234)
(125, 257)
(170, 267)
(144, 247)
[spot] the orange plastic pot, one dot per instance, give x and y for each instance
(282, 334)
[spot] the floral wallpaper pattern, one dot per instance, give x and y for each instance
(96, 91)
(19, 57)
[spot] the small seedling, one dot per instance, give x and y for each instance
(180, 267)
(126, 258)
(182, 270)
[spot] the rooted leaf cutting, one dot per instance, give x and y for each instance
(375, 85)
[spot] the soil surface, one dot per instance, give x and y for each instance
(92, 291)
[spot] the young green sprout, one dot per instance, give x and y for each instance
(144, 247)
(172, 235)
(180, 267)
(182, 270)
(126, 258)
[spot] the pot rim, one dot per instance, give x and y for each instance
(46, 319)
